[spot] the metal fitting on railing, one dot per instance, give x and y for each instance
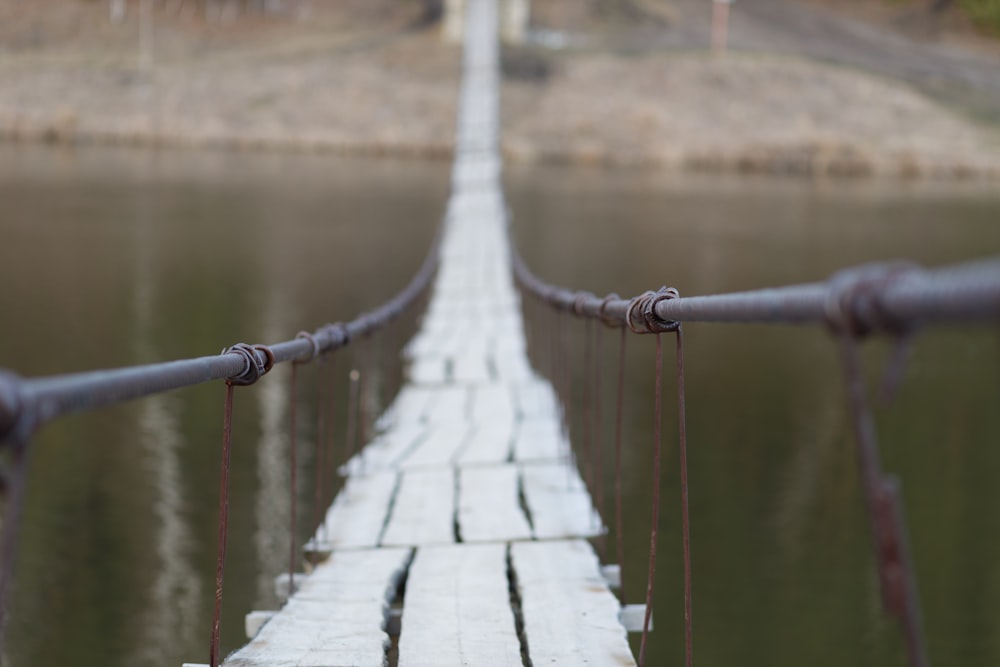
(255, 367)
(641, 315)
(855, 303)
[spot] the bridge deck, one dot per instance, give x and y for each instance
(466, 511)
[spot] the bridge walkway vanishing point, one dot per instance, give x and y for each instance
(469, 492)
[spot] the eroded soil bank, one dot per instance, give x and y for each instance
(627, 83)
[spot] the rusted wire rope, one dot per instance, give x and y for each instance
(959, 293)
(26, 404)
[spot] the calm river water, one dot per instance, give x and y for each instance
(112, 257)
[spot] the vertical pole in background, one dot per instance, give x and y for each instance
(720, 26)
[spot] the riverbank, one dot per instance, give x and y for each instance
(380, 81)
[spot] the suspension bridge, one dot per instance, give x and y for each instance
(463, 534)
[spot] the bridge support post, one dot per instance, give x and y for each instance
(513, 20)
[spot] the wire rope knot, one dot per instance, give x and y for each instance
(854, 304)
(602, 311)
(313, 353)
(641, 314)
(253, 368)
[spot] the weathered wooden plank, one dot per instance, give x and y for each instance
(489, 507)
(440, 447)
(492, 402)
(489, 442)
(424, 509)
(536, 399)
(457, 609)
(337, 618)
(558, 501)
(448, 403)
(357, 515)
(428, 370)
(407, 407)
(471, 368)
(540, 439)
(387, 449)
(570, 616)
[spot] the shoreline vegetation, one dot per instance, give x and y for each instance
(619, 87)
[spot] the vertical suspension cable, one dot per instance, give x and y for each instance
(685, 516)
(619, 513)
(364, 388)
(599, 425)
(330, 462)
(292, 472)
(657, 419)
(14, 489)
(220, 564)
(320, 453)
(588, 397)
(350, 436)
(885, 512)
(293, 458)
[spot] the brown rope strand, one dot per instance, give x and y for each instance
(292, 472)
(657, 421)
(619, 521)
(685, 515)
(319, 456)
(220, 564)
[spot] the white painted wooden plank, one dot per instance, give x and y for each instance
(424, 509)
(439, 449)
(385, 450)
(406, 408)
(336, 619)
(540, 439)
(457, 609)
(493, 401)
(447, 404)
(513, 367)
(559, 504)
(428, 370)
(357, 515)
(489, 442)
(471, 368)
(489, 507)
(570, 616)
(536, 399)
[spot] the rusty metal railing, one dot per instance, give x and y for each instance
(891, 298)
(27, 404)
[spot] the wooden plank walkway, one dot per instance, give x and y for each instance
(465, 511)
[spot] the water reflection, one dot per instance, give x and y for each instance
(273, 506)
(112, 257)
(142, 256)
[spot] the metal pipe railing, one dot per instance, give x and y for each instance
(890, 296)
(28, 403)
